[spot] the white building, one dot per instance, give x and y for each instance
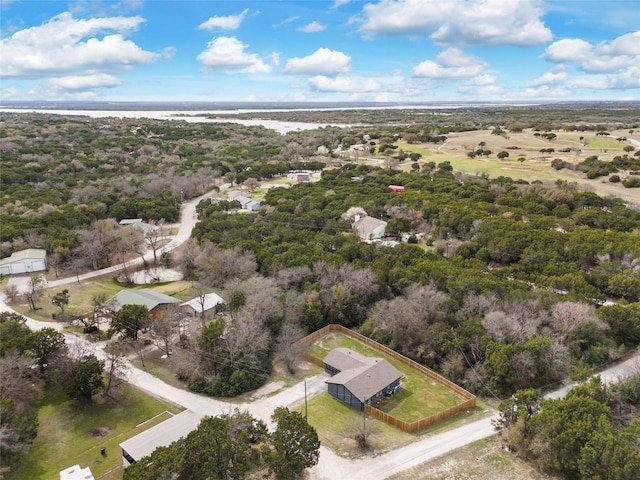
(76, 473)
(24, 261)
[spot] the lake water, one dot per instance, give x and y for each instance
(186, 116)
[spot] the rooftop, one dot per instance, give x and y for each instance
(162, 435)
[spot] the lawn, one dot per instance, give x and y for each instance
(336, 423)
(67, 432)
(419, 397)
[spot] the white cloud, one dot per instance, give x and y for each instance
(549, 78)
(343, 84)
(620, 54)
(230, 22)
(590, 82)
(339, 3)
(481, 80)
(84, 82)
(227, 54)
(567, 50)
(452, 63)
(479, 90)
(312, 27)
(67, 46)
(169, 52)
(546, 91)
(321, 62)
(628, 44)
(458, 22)
(630, 78)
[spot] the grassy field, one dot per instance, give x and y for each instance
(81, 296)
(419, 397)
(536, 166)
(336, 423)
(67, 433)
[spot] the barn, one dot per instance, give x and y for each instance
(25, 261)
(358, 379)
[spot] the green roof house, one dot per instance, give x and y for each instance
(151, 299)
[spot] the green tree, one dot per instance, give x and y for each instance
(611, 453)
(129, 320)
(88, 380)
(523, 404)
(214, 451)
(61, 299)
(503, 154)
(14, 333)
(220, 448)
(566, 426)
(294, 445)
(44, 344)
(18, 429)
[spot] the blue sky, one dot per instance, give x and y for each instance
(314, 50)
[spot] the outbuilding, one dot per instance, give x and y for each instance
(25, 261)
(161, 435)
(202, 305)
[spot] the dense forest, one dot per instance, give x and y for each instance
(500, 284)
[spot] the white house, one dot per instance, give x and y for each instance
(369, 228)
(207, 303)
(24, 261)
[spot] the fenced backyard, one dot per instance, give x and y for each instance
(413, 410)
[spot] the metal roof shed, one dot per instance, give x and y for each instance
(161, 435)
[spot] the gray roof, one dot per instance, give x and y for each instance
(210, 301)
(362, 376)
(149, 298)
(366, 225)
(162, 435)
(33, 253)
(345, 359)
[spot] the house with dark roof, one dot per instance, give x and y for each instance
(154, 301)
(358, 379)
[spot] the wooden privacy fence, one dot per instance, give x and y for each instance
(469, 398)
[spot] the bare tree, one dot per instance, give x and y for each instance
(15, 380)
(12, 293)
(115, 368)
(361, 431)
(413, 320)
(287, 351)
(97, 245)
(154, 238)
(251, 183)
(515, 321)
(569, 316)
(34, 289)
(163, 327)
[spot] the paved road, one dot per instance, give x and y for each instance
(187, 223)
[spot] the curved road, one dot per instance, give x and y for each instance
(330, 465)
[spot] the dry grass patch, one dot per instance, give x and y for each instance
(481, 460)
